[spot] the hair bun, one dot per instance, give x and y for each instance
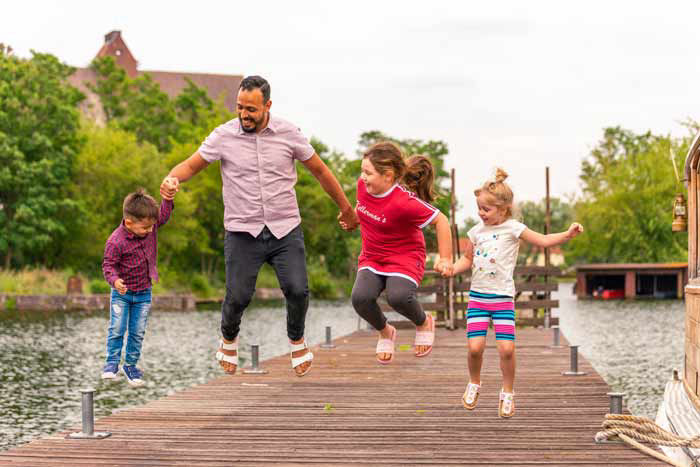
(500, 176)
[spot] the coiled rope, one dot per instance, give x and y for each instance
(632, 429)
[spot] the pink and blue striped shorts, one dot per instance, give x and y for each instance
(483, 308)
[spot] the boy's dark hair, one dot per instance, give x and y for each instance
(139, 205)
(256, 82)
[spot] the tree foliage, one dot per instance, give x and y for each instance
(628, 188)
(63, 180)
(39, 139)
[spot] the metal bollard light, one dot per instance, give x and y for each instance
(556, 337)
(616, 402)
(547, 318)
(88, 415)
(255, 365)
(329, 342)
(574, 363)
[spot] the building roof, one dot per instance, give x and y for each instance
(172, 83)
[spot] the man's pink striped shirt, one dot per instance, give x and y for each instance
(258, 173)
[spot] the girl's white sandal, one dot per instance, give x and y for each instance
(506, 404)
(471, 396)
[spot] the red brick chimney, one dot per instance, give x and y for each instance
(115, 46)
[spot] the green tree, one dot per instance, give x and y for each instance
(39, 123)
(327, 244)
(111, 164)
(136, 104)
(628, 191)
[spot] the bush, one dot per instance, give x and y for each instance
(200, 286)
(267, 278)
(11, 304)
(99, 286)
(320, 283)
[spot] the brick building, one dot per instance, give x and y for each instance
(172, 83)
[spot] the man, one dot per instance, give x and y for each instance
(258, 152)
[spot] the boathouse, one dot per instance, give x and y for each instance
(631, 280)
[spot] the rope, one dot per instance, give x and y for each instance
(632, 429)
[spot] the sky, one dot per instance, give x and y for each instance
(518, 85)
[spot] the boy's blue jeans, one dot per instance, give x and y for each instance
(127, 312)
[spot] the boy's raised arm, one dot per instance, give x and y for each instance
(166, 208)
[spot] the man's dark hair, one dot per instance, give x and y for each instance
(139, 206)
(256, 82)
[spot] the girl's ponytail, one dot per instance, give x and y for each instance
(420, 178)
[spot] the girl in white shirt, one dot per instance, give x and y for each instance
(491, 254)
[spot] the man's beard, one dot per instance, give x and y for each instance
(257, 124)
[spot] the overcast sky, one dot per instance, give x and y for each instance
(521, 85)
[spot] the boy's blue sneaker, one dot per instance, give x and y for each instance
(110, 371)
(133, 375)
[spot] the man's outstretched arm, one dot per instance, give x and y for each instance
(331, 186)
(181, 173)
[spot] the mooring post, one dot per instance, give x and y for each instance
(329, 342)
(88, 415)
(255, 364)
(573, 371)
(616, 402)
(556, 337)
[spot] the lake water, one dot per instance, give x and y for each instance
(45, 358)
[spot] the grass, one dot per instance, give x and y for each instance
(37, 281)
(54, 282)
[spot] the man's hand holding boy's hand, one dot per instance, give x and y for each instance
(120, 286)
(169, 187)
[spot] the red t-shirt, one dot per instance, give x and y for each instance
(392, 240)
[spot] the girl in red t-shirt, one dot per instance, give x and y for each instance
(393, 196)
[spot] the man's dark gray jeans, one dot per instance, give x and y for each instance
(245, 256)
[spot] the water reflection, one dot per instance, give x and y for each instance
(634, 345)
(46, 357)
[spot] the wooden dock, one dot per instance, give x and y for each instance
(351, 411)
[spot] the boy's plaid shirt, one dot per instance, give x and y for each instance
(133, 259)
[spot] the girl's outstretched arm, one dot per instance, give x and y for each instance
(444, 239)
(546, 241)
(464, 263)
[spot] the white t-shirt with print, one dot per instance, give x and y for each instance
(495, 255)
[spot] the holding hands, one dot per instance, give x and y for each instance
(348, 220)
(444, 267)
(169, 187)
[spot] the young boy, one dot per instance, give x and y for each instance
(129, 265)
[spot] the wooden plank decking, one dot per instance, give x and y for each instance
(351, 411)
